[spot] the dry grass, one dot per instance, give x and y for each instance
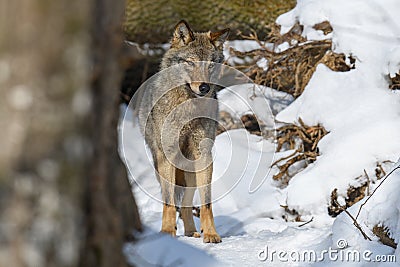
(301, 138)
(354, 194)
(324, 26)
(291, 70)
(383, 233)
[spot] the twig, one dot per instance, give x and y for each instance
(362, 205)
(312, 218)
(306, 152)
(281, 159)
(368, 181)
(381, 168)
(354, 221)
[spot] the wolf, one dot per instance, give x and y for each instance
(178, 118)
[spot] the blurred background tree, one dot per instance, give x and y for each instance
(64, 191)
(152, 21)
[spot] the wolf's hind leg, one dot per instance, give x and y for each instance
(203, 178)
(187, 204)
(166, 174)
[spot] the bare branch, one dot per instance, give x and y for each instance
(384, 179)
(356, 224)
(312, 218)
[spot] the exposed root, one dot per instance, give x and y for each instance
(251, 124)
(291, 215)
(324, 26)
(291, 69)
(380, 168)
(337, 62)
(395, 82)
(301, 138)
(291, 37)
(355, 194)
(247, 121)
(310, 135)
(384, 236)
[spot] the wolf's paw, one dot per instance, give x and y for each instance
(193, 234)
(211, 238)
(168, 231)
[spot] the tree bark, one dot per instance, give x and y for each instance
(111, 209)
(43, 157)
(52, 162)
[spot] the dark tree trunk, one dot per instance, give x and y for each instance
(58, 138)
(43, 155)
(112, 214)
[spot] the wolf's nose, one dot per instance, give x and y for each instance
(204, 88)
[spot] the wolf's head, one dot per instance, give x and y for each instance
(197, 53)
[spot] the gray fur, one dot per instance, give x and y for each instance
(176, 120)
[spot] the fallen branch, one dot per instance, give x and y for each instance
(301, 225)
(284, 158)
(302, 136)
(368, 181)
(384, 179)
(356, 224)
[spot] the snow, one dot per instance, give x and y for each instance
(250, 98)
(363, 119)
(348, 135)
(382, 208)
(357, 108)
(163, 250)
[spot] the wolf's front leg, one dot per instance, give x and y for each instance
(203, 178)
(187, 205)
(169, 220)
(166, 175)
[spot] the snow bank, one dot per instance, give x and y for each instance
(156, 249)
(361, 113)
(382, 209)
(250, 98)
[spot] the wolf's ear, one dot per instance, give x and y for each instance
(182, 34)
(218, 38)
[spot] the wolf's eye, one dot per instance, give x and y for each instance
(185, 61)
(211, 65)
(190, 63)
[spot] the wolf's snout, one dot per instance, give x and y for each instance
(204, 88)
(200, 89)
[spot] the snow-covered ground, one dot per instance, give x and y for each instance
(363, 119)
(246, 221)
